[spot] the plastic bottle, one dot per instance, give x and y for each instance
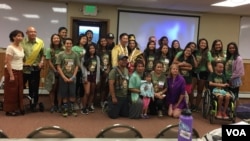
(185, 126)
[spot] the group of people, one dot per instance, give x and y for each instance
(133, 83)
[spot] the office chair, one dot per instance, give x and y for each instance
(119, 131)
(2, 134)
(171, 131)
(50, 132)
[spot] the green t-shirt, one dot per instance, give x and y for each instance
(121, 81)
(159, 83)
(187, 74)
(80, 51)
(229, 68)
(52, 54)
(135, 82)
(217, 78)
(68, 63)
(202, 67)
(92, 65)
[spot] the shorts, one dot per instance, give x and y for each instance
(91, 78)
(203, 75)
(66, 90)
(188, 88)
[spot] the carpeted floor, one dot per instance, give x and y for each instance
(88, 126)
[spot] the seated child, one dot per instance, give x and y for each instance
(147, 92)
(218, 83)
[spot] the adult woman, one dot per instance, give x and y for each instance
(105, 61)
(80, 49)
(135, 109)
(149, 55)
(175, 48)
(91, 77)
(13, 88)
(134, 54)
(217, 52)
(186, 61)
(160, 88)
(204, 66)
(164, 56)
(176, 92)
(234, 69)
(51, 81)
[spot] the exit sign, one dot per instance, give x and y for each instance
(90, 10)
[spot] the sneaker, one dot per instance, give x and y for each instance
(65, 110)
(105, 107)
(219, 115)
(59, 110)
(90, 109)
(142, 116)
(225, 116)
(146, 116)
(65, 114)
(160, 113)
(92, 106)
(102, 104)
(84, 111)
(74, 113)
(53, 109)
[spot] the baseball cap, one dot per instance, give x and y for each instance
(120, 57)
(110, 35)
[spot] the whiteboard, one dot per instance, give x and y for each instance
(244, 39)
(12, 17)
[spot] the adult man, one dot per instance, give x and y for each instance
(118, 89)
(62, 32)
(110, 41)
(90, 34)
(120, 49)
(33, 62)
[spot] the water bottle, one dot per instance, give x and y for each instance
(185, 126)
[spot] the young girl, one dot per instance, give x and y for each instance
(51, 81)
(149, 55)
(91, 64)
(147, 91)
(105, 65)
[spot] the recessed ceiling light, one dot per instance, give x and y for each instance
(54, 21)
(232, 3)
(12, 18)
(31, 16)
(5, 6)
(59, 9)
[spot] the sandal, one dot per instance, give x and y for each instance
(11, 114)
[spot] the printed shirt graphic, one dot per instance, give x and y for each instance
(165, 62)
(105, 61)
(220, 79)
(229, 68)
(150, 62)
(68, 63)
(92, 65)
(159, 83)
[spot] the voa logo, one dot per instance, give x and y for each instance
(236, 132)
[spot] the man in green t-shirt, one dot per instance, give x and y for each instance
(118, 89)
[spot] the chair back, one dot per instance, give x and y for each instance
(50, 132)
(119, 131)
(2, 134)
(171, 131)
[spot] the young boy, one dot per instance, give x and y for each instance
(218, 83)
(67, 66)
(147, 91)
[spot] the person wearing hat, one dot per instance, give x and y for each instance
(134, 53)
(119, 49)
(110, 40)
(118, 102)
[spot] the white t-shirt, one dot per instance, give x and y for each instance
(17, 57)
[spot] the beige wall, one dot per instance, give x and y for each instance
(212, 26)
